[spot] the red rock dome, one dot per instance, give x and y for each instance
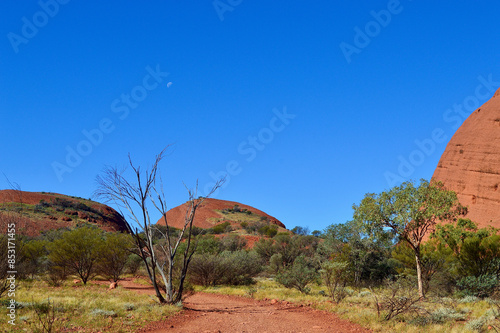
(470, 165)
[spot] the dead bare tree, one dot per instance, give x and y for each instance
(144, 190)
(16, 195)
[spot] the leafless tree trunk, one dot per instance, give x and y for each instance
(147, 189)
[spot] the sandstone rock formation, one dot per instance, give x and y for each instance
(211, 214)
(37, 212)
(470, 164)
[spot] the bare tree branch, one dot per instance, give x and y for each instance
(147, 188)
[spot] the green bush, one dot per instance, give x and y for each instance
(335, 275)
(242, 267)
(268, 230)
(129, 306)
(468, 299)
(56, 274)
(232, 243)
(475, 325)
(221, 228)
(231, 268)
(77, 252)
(206, 269)
(481, 286)
(133, 264)
(104, 313)
(443, 315)
(299, 275)
(113, 255)
(206, 244)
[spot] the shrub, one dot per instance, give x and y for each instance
(335, 275)
(43, 203)
(298, 276)
(129, 306)
(276, 263)
(34, 252)
(482, 286)
(45, 317)
(475, 324)
(207, 244)
(251, 291)
(206, 269)
(468, 299)
(104, 313)
(233, 243)
(232, 268)
(401, 298)
(242, 266)
(133, 264)
(77, 251)
(17, 305)
(268, 230)
(298, 230)
(265, 249)
(159, 232)
(221, 228)
(56, 275)
(113, 255)
(442, 315)
(60, 203)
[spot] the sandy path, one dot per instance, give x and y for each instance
(207, 313)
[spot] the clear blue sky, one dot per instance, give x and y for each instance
(354, 83)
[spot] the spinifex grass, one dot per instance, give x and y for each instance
(79, 308)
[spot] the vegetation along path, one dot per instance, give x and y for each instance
(220, 313)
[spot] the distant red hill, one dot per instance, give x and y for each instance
(215, 211)
(36, 212)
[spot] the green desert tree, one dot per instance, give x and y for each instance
(302, 231)
(480, 265)
(454, 235)
(436, 262)
(78, 252)
(335, 275)
(409, 212)
(114, 254)
(477, 250)
(480, 256)
(35, 252)
(367, 258)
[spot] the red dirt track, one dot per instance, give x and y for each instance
(207, 313)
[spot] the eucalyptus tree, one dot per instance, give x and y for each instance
(409, 212)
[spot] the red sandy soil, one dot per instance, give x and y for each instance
(470, 165)
(175, 216)
(220, 313)
(251, 240)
